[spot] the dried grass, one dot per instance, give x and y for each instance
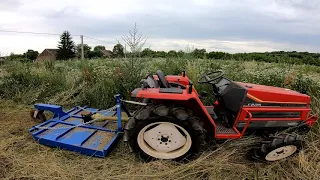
(23, 158)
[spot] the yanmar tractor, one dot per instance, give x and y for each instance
(175, 123)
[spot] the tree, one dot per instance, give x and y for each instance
(31, 54)
(16, 57)
(99, 48)
(95, 54)
(161, 54)
(199, 53)
(66, 47)
(118, 50)
(217, 55)
(180, 53)
(147, 52)
(86, 50)
(172, 53)
(135, 40)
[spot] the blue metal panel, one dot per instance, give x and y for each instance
(56, 110)
(76, 137)
(119, 112)
(52, 134)
(67, 131)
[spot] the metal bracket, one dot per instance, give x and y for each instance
(56, 110)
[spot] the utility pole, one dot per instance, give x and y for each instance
(82, 53)
(125, 50)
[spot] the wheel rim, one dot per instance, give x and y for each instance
(281, 153)
(164, 140)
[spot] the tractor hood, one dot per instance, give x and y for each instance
(270, 94)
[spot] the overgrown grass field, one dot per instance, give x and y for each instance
(94, 83)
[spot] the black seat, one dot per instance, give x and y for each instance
(163, 82)
(162, 79)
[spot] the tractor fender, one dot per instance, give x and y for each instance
(185, 99)
(163, 93)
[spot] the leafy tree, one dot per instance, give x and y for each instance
(147, 52)
(172, 53)
(86, 50)
(118, 50)
(161, 54)
(99, 48)
(31, 54)
(199, 53)
(66, 47)
(15, 57)
(216, 55)
(95, 54)
(180, 53)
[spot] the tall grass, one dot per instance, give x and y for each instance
(94, 82)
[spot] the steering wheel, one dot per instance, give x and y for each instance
(206, 78)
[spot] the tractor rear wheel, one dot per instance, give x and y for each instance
(278, 147)
(161, 132)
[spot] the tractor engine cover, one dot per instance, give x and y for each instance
(273, 106)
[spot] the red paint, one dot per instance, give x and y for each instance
(270, 94)
(258, 93)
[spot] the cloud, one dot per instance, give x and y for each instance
(8, 5)
(234, 26)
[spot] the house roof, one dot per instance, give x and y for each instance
(106, 52)
(52, 51)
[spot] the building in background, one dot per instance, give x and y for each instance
(47, 54)
(106, 53)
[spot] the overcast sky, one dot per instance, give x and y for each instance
(216, 25)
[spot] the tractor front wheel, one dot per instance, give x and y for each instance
(278, 147)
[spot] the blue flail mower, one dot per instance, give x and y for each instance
(66, 130)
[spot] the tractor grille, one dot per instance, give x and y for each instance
(223, 130)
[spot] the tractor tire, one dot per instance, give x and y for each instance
(162, 132)
(38, 116)
(278, 148)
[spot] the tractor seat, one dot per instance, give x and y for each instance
(163, 82)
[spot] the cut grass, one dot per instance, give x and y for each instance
(22, 157)
(95, 82)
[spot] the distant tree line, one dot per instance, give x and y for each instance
(30, 55)
(97, 51)
(292, 57)
(68, 50)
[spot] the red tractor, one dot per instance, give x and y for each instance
(175, 123)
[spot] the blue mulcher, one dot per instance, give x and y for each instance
(66, 130)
